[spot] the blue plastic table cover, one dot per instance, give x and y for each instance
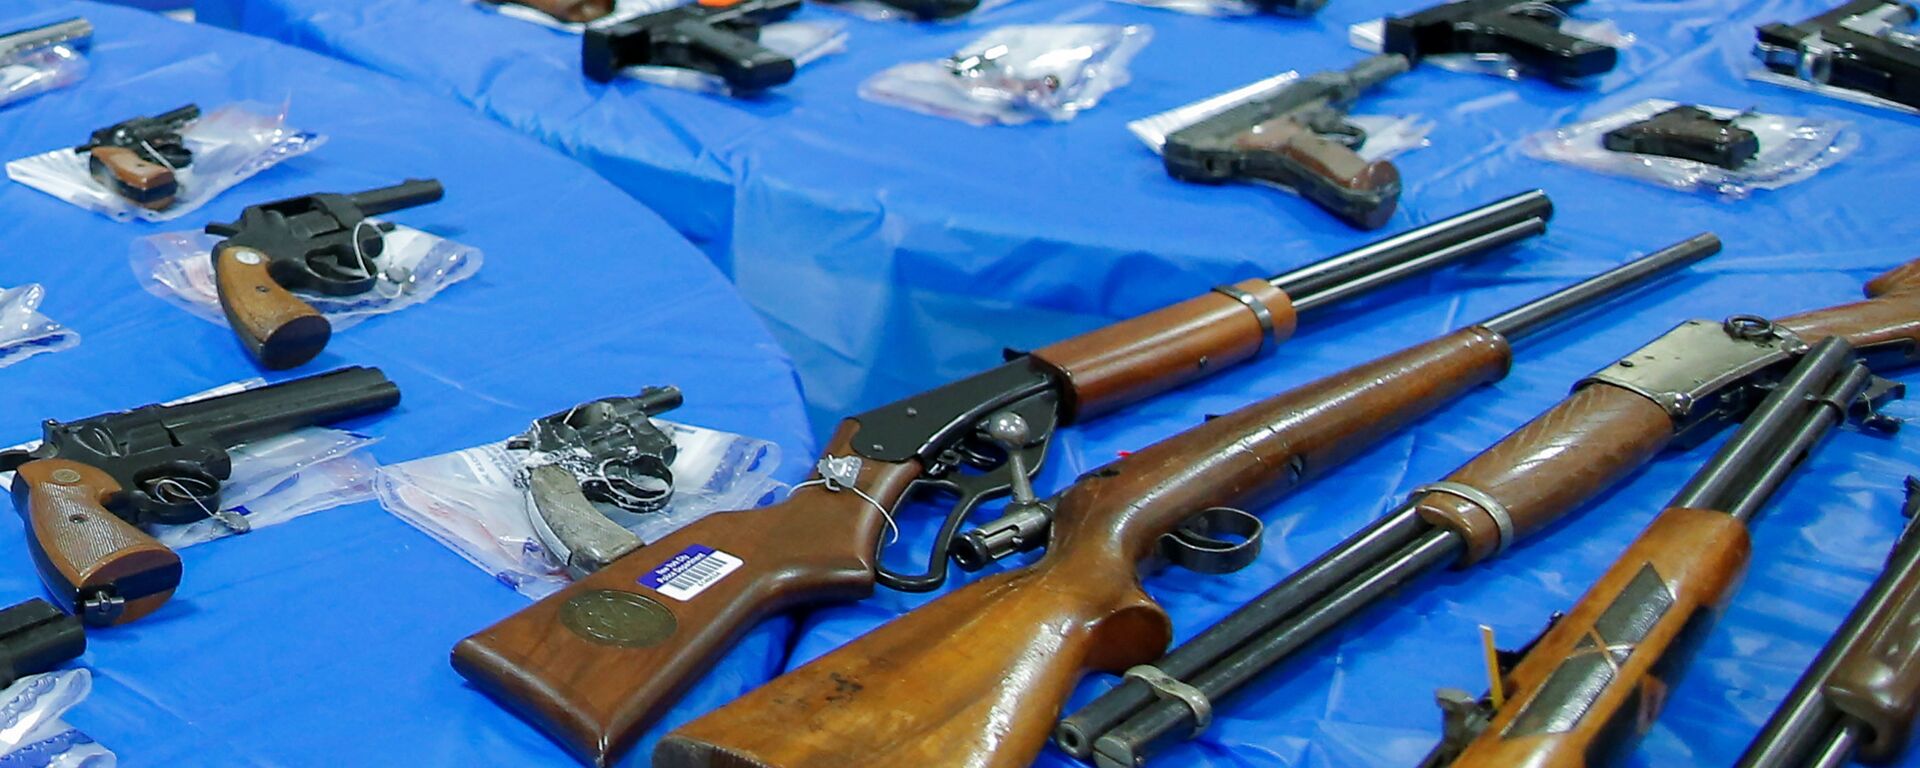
(892, 250)
(876, 252)
(324, 641)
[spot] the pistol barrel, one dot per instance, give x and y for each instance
(406, 194)
(275, 409)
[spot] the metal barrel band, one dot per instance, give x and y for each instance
(1502, 519)
(1259, 310)
(1170, 688)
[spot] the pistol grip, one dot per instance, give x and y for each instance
(148, 185)
(1288, 152)
(742, 61)
(275, 326)
(94, 564)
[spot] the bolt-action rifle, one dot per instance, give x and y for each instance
(1678, 390)
(573, 663)
(1595, 681)
(976, 678)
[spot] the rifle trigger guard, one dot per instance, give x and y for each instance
(1168, 687)
(1502, 519)
(1196, 547)
(1259, 310)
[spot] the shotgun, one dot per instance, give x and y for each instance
(1860, 695)
(1674, 392)
(1595, 681)
(596, 663)
(976, 678)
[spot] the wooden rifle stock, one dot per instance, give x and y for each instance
(1008, 650)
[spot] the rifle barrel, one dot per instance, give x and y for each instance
(1406, 246)
(1524, 320)
(1511, 233)
(1727, 478)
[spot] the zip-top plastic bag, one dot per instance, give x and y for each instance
(32, 735)
(217, 150)
(414, 266)
(1778, 150)
(273, 480)
(1016, 74)
(477, 501)
(24, 332)
(36, 72)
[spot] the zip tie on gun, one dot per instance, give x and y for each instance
(1168, 687)
(233, 521)
(840, 473)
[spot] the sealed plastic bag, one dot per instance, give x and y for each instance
(214, 152)
(1699, 148)
(477, 502)
(274, 480)
(31, 74)
(32, 735)
(24, 332)
(1016, 74)
(1370, 36)
(414, 266)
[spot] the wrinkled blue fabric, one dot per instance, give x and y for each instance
(324, 641)
(894, 250)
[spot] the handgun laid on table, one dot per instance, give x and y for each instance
(720, 37)
(1858, 47)
(321, 243)
(596, 663)
(1299, 138)
(1859, 698)
(573, 11)
(1682, 388)
(139, 159)
(1588, 688)
(1527, 31)
(89, 485)
(932, 10)
(606, 451)
(975, 678)
(1688, 133)
(76, 33)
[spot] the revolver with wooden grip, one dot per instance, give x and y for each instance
(976, 678)
(571, 11)
(1299, 138)
(1596, 680)
(321, 243)
(1678, 390)
(598, 662)
(87, 488)
(138, 159)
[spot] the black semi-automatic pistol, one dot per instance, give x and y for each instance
(717, 37)
(1687, 133)
(1527, 31)
(1857, 46)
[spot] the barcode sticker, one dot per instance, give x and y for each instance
(691, 572)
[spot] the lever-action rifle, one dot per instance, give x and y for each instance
(1299, 138)
(321, 243)
(1857, 46)
(75, 33)
(593, 687)
(1860, 696)
(1527, 31)
(976, 678)
(574, 11)
(90, 483)
(721, 37)
(1674, 392)
(1596, 680)
(137, 159)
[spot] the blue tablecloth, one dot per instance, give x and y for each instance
(876, 235)
(324, 641)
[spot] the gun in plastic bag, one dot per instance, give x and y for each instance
(76, 33)
(1298, 138)
(1688, 133)
(89, 485)
(599, 661)
(321, 243)
(1527, 31)
(606, 451)
(720, 37)
(138, 159)
(1857, 46)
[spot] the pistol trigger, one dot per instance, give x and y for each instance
(1215, 541)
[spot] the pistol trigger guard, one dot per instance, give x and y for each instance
(1197, 544)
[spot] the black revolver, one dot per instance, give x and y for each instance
(321, 243)
(1855, 46)
(719, 37)
(1687, 133)
(1527, 31)
(1299, 138)
(607, 451)
(88, 486)
(137, 159)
